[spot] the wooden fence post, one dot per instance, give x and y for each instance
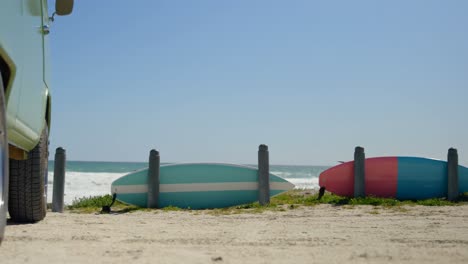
(452, 174)
(359, 172)
(263, 175)
(59, 180)
(153, 179)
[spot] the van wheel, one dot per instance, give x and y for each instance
(3, 162)
(27, 201)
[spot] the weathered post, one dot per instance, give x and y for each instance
(263, 175)
(153, 179)
(359, 172)
(452, 174)
(59, 180)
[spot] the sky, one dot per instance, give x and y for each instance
(211, 80)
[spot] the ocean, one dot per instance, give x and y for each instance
(89, 178)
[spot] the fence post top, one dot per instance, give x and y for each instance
(263, 147)
(453, 150)
(60, 149)
(154, 152)
(359, 149)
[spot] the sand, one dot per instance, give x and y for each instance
(321, 234)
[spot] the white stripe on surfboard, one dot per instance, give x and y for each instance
(201, 187)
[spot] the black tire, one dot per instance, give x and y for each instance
(27, 201)
(3, 162)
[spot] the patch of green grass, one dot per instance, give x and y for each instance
(386, 202)
(304, 198)
(283, 202)
(172, 208)
(244, 208)
(433, 202)
(91, 201)
(93, 204)
(252, 208)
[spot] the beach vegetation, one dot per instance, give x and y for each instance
(307, 198)
(91, 201)
(172, 208)
(286, 201)
(92, 204)
(252, 208)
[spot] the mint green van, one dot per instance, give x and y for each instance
(25, 107)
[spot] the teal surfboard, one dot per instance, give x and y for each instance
(197, 186)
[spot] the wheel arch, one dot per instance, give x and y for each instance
(48, 113)
(7, 70)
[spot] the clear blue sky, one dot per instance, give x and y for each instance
(210, 80)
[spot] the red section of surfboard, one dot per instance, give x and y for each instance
(339, 179)
(381, 178)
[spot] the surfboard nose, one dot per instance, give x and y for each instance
(323, 177)
(338, 179)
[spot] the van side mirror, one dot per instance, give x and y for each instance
(63, 7)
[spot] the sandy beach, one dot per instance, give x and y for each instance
(320, 234)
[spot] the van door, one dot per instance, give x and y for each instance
(31, 109)
(45, 42)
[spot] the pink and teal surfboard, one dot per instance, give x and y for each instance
(395, 177)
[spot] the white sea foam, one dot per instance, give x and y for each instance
(301, 179)
(304, 183)
(85, 184)
(281, 174)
